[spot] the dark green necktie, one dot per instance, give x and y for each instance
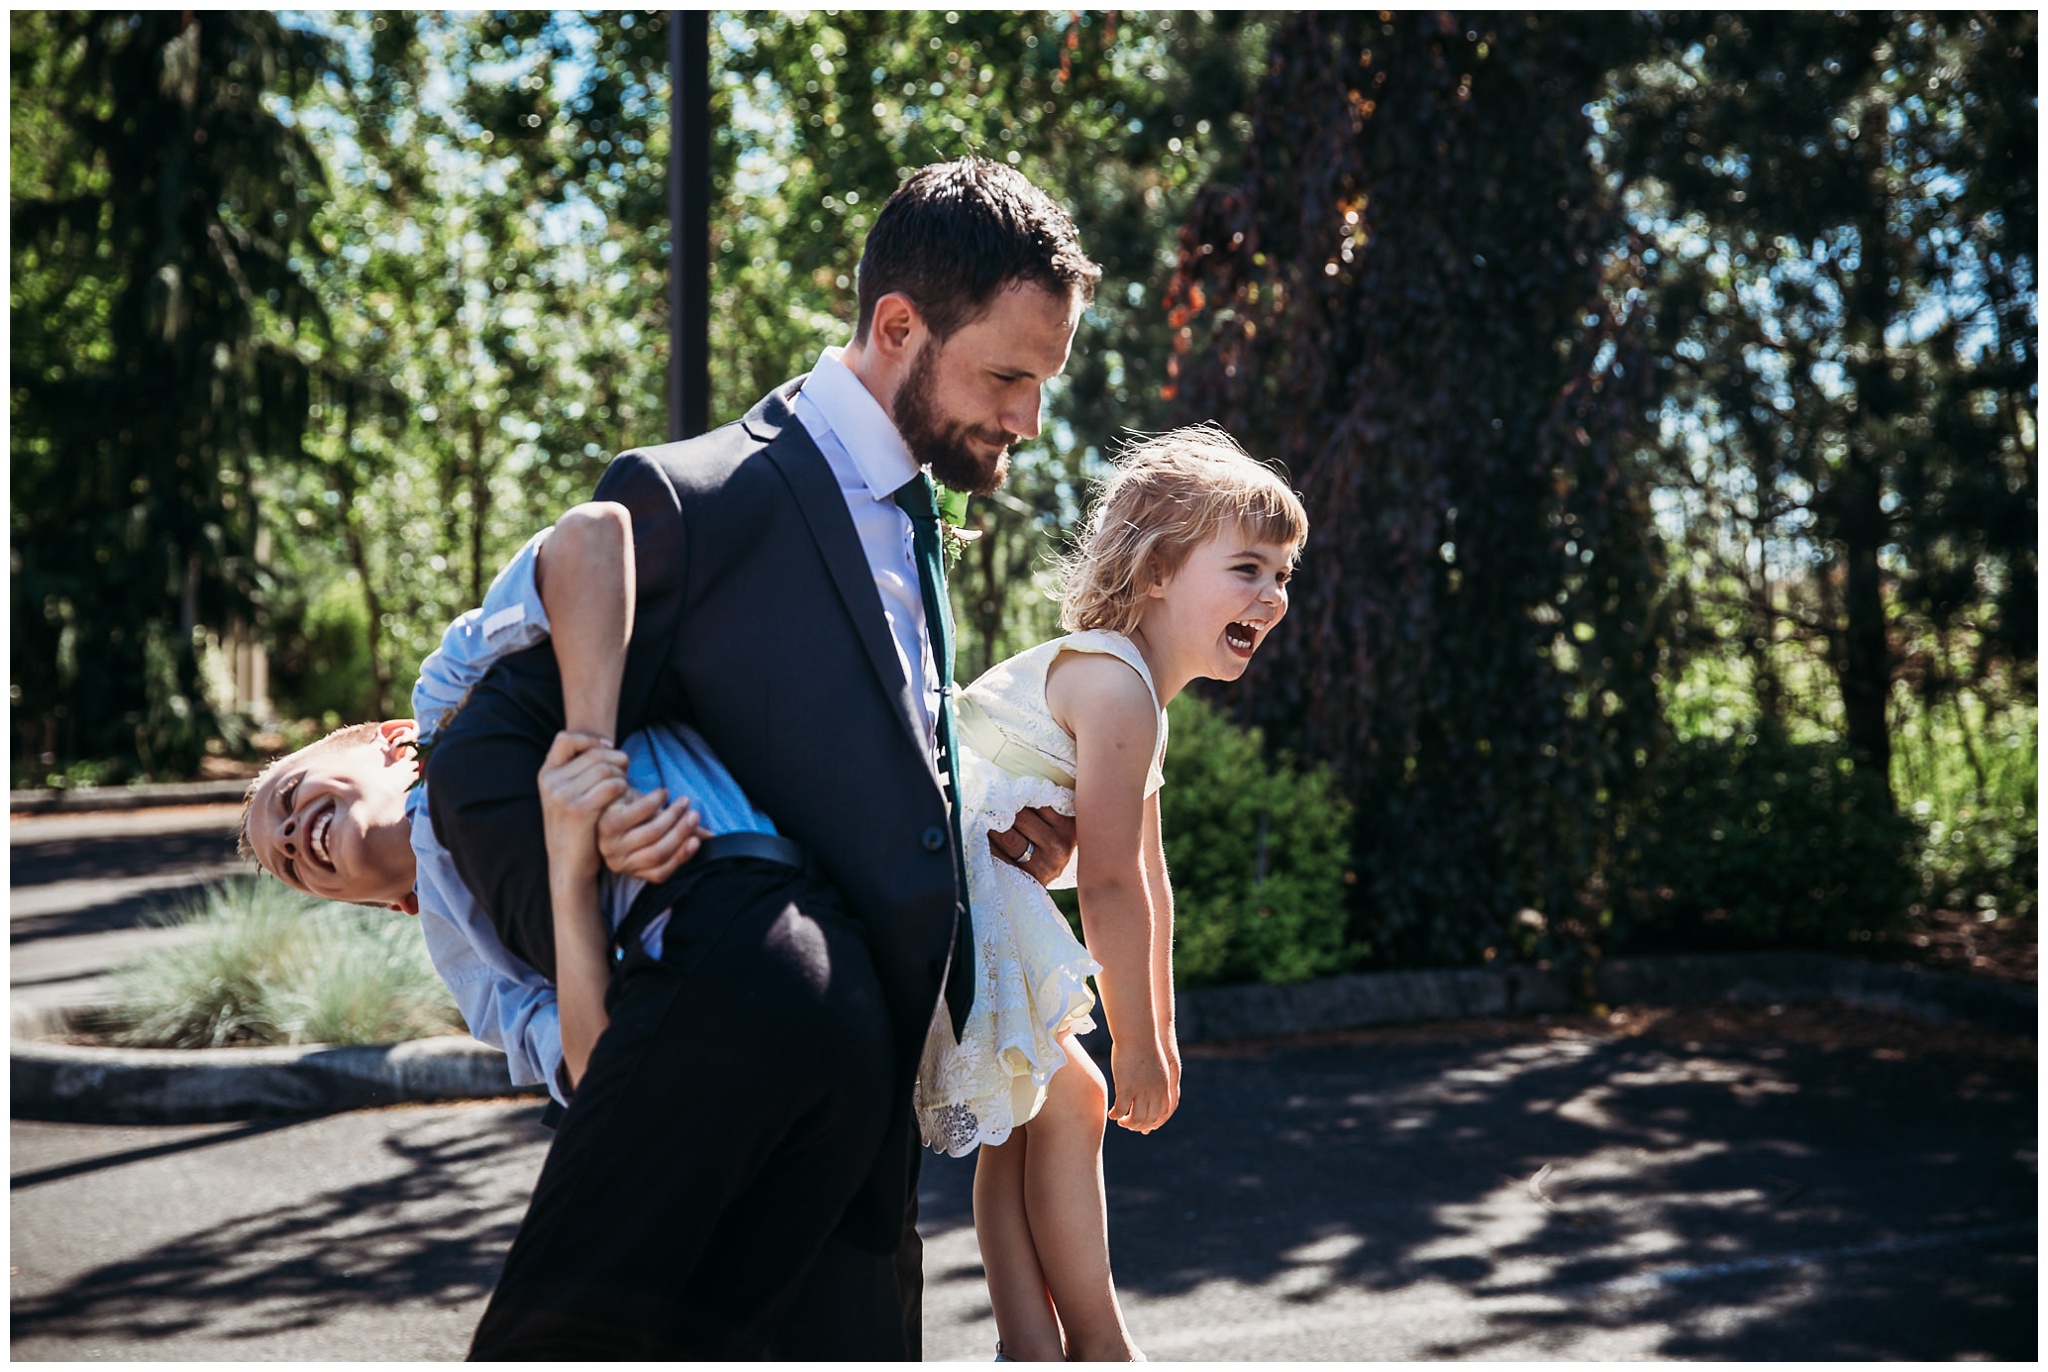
(917, 500)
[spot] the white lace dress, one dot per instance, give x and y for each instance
(1030, 971)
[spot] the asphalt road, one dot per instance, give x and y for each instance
(1749, 1184)
(86, 892)
(1727, 1186)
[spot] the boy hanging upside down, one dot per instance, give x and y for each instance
(346, 819)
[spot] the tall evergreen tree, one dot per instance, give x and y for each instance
(1403, 300)
(1841, 213)
(162, 329)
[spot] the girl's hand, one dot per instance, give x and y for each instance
(1146, 1093)
(581, 775)
(637, 836)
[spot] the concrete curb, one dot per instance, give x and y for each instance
(87, 798)
(1224, 1013)
(190, 1086)
(128, 1085)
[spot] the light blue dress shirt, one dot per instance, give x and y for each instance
(504, 1002)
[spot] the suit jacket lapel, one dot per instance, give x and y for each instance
(809, 476)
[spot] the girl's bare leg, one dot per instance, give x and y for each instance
(1025, 1322)
(1068, 1215)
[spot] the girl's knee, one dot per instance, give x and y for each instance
(1078, 1089)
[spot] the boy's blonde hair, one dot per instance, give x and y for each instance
(346, 734)
(1168, 494)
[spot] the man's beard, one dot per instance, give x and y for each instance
(943, 444)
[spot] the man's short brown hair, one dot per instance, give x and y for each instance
(956, 235)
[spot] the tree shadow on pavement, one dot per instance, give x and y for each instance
(431, 1230)
(1803, 1182)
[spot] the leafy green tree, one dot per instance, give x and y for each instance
(1403, 299)
(1837, 217)
(165, 343)
(1120, 116)
(493, 277)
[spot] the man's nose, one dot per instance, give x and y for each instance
(1022, 420)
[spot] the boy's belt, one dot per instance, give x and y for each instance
(653, 899)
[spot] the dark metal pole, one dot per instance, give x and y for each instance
(689, 218)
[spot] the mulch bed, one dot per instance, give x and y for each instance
(2005, 949)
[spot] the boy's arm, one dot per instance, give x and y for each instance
(581, 777)
(585, 578)
(504, 1002)
(511, 619)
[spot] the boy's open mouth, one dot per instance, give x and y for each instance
(317, 838)
(1241, 636)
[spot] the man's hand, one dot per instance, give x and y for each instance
(638, 836)
(581, 775)
(1040, 842)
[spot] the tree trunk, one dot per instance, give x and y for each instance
(1863, 657)
(358, 556)
(1863, 662)
(479, 505)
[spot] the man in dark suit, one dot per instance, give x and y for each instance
(736, 1175)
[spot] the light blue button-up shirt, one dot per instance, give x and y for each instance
(504, 1002)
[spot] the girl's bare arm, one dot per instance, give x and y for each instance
(1161, 893)
(1110, 712)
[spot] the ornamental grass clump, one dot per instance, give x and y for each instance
(262, 964)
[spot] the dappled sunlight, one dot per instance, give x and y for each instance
(424, 1221)
(1672, 1189)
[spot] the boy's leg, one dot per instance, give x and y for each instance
(730, 1112)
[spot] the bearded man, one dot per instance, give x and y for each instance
(735, 1176)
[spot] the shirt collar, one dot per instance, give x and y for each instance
(858, 420)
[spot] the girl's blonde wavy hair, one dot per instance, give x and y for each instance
(1167, 495)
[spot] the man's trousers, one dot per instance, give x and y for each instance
(694, 1204)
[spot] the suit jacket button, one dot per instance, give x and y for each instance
(934, 839)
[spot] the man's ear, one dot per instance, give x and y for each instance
(895, 329)
(410, 905)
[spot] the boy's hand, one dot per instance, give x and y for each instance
(638, 837)
(1040, 842)
(581, 775)
(1147, 1094)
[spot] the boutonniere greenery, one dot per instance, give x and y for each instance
(953, 524)
(422, 748)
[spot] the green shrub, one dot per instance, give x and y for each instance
(1258, 854)
(263, 964)
(1970, 775)
(322, 662)
(1760, 842)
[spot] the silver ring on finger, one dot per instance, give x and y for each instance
(1025, 856)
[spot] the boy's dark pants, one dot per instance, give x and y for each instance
(694, 1204)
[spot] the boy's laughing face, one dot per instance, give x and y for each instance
(330, 819)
